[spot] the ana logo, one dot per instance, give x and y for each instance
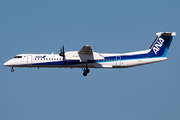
(157, 46)
(40, 56)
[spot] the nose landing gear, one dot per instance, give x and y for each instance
(12, 70)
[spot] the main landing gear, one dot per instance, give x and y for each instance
(86, 70)
(12, 70)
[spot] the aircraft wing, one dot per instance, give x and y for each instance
(86, 50)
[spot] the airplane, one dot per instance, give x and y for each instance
(86, 58)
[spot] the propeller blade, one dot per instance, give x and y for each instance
(62, 53)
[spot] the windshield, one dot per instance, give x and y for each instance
(18, 57)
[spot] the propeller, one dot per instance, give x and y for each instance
(62, 53)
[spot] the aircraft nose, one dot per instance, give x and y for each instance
(8, 63)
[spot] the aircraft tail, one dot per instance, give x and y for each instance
(161, 44)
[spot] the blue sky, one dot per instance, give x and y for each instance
(139, 93)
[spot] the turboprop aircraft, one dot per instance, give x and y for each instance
(86, 58)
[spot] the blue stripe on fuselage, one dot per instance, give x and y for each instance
(106, 59)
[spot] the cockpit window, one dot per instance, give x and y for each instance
(18, 57)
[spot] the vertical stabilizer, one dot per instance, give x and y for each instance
(161, 44)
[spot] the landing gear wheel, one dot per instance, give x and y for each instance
(87, 70)
(12, 70)
(84, 73)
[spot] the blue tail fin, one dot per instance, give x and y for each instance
(161, 44)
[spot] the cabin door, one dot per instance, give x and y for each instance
(29, 59)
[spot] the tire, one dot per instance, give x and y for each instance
(12, 70)
(87, 70)
(84, 73)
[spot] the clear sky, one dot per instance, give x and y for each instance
(149, 92)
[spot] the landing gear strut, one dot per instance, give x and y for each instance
(12, 70)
